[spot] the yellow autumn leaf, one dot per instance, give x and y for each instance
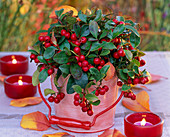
(59, 134)
(111, 133)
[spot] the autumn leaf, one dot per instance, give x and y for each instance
(2, 78)
(35, 121)
(111, 71)
(156, 78)
(141, 104)
(59, 134)
(28, 101)
(111, 133)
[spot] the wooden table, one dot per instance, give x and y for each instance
(157, 63)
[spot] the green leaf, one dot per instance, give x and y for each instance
(49, 52)
(93, 27)
(98, 15)
(83, 81)
(134, 40)
(125, 87)
(58, 74)
(95, 46)
(70, 20)
(77, 88)
(76, 71)
(42, 31)
(85, 30)
(96, 74)
(122, 75)
(130, 22)
(35, 80)
(131, 74)
(59, 12)
(104, 34)
(61, 58)
(82, 17)
(48, 91)
(56, 80)
(94, 71)
(118, 30)
(33, 52)
(65, 68)
(136, 62)
(105, 52)
(76, 29)
(43, 75)
(91, 97)
(70, 83)
(109, 24)
(132, 29)
(104, 69)
(108, 45)
(86, 46)
(128, 54)
(95, 103)
(61, 40)
(92, 39)
(67, 51)
(65, 44)
(92, 55)
(41, 59)
(125, 70)
(120, 18)
(136, 69)
(89, 84)
(140, 54)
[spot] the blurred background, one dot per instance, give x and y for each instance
(21, 19)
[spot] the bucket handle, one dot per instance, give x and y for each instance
(69, 122)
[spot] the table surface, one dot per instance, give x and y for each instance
(157, 63)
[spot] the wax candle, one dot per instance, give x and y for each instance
(19, 86)
(13, 64)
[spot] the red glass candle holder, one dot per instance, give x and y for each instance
(149, 130)
(19, 86)
(13, 64)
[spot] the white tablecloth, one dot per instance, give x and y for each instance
(157, 63)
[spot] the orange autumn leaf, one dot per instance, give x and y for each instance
(29, 101)
(2, 78)
(111, 133)
(59, 134)
(35, 121)
(141, 104)
(111, 71)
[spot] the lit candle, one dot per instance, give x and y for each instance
(143, 123)
(14, 61)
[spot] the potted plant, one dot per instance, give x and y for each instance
(87, 57)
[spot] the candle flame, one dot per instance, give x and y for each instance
(20, 80)
(14, 61)
(143, 122)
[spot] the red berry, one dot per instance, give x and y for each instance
(73, 42)
(82, 104)
(91, 67)
(77, 58)
(41, 38)
(96, 61)
(130, 95)
(129, 81)
(42, 68)
(69, 40)
(76, 102)
(85, 69)
(81, 57)
(99, 67)
(136, 81)
(47, 39)
(125, 94)
(142, 62)
(131, 48)
(63, 32)
(119, 83)
(121, 53)
(142, 80)
(77, 50)
(62, 95)
(51, 99)
(133, 97)
(137, 58)
(121, 22)
(84, 109)
(73, 36)
(36, 60)
(102, 40)
(106, 87)
(32, 56)
(77, 43)
(115, 21)
(85, 63)
(146, 79)
(58, 96)
(90, 112)
(102, 91)
(97, 92)
(67, 35)
(80, 64)
(102, 63)
(100, 49)
(107, 40)
(56, 100)
(83, 40)
(50, 71)
(76, 96)
(116, 55)
(47, 45)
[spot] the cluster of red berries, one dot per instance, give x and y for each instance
(56, 99)
(85, 106)
(99, 62)
(50, 70)
(47, 41)
(130, 95)
(117, 22)
(142, 62)
(101, 90)
(119, 53)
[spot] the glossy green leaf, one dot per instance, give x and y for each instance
(42, 59)
(83, 81)
(95, 103)
(35, 80)
(76, 29)
(64, 44)
(33, 52)
(59, 12)
(70, 83)
(98, 15)
(89, 85)
(125, 87)
(65, 68)
(134, 40)
(48, 91)
(93, 27)
(132, 29)
(104, 69)
(82, 16)
(61, 58)
(128, 54)
(109, 24)
(49, 52)
(122, 75)
(136, 69)
(95, 46)
(105, 52)
(104, 34)
(118, 30)
(77, 88)
(76, 71)
(108, 45)
(85, 30)
(70, 20)
(120, 18)
(43, 75)
(130, 22)
(91, 97)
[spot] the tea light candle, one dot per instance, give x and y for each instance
(19, 86)
(143, 124)
(13, 64)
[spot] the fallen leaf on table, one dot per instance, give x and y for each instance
(59, 134)
(111, 71)
(35, 121)
(111, 133)
(26, 101)
(141, 104)
(156, 78)
(2, 78)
